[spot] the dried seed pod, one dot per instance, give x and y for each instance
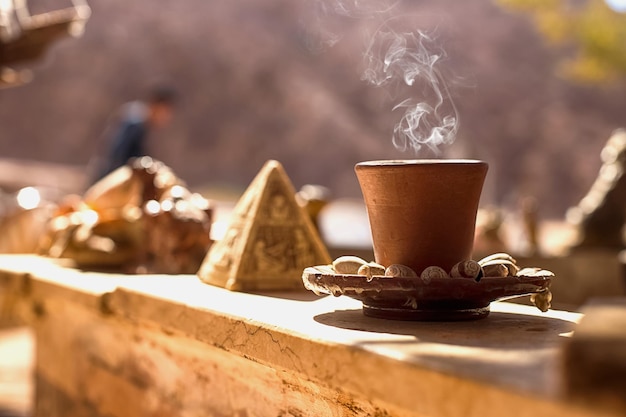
(513, 269)
(370, 269)
(467, 269)
(542, 300)
(348, 264)
(534, 272)
(528, 272)
(397, 270)
(496, 270)
(325, 269)
(497, 257)
(433, 272)
(510, 266)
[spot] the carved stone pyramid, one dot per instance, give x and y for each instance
(269, 241)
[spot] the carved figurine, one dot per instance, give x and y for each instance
(269, 241)
(138, 218)
(601, 214)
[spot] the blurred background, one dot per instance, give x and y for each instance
(539, 88)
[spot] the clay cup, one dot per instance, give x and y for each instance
(422, 212)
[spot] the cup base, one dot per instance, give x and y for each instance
(426, 314)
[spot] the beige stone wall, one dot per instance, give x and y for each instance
(113, 345)
(89, 365)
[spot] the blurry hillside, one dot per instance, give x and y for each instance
(253, 89)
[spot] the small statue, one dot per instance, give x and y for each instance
(269, 241)
(313, 198)
(601, 214)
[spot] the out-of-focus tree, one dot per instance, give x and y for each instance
(597, 32)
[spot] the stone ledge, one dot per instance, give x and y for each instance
(507, 364)
(595, 359)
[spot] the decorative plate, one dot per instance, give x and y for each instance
(443, 299)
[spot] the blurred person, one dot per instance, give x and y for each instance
(138, 119)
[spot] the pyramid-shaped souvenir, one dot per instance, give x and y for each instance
(269, 241)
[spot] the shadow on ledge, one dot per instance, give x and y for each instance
(501, 330)
(521, 351)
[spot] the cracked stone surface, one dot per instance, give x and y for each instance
(158, 345)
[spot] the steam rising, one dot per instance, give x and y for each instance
(406, 64)
(429, 116)
(324, 18)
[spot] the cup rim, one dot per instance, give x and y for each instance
(410, 162)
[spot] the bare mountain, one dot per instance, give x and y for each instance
(252, 88)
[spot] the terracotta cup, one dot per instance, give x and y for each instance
(422, 212)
